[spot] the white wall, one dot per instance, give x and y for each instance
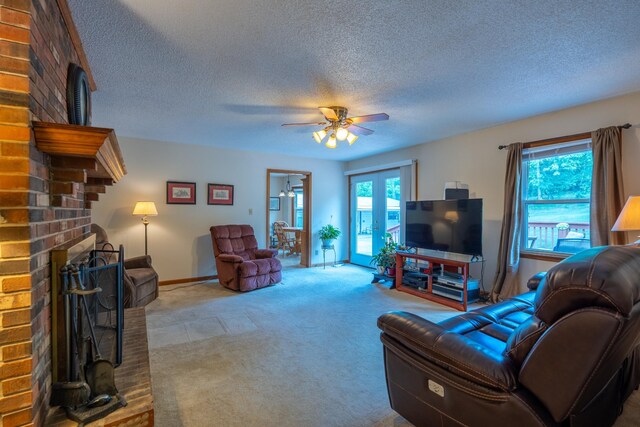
(179, 239)
(474, 159)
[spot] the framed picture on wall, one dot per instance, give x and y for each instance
(181, 193)
(274, 203)
(220, 194)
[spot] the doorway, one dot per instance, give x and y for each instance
(289, 215)
(375, 213)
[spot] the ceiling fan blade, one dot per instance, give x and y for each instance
(370, 118)
(328, 113)
(359, 130)
(304, 124)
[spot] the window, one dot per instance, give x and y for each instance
(556, 193)
(298, 206)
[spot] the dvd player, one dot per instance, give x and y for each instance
(450, 280)
(417, 282)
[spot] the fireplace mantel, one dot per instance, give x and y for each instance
(82, 154)
(99, 144)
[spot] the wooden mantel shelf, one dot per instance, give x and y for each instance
(99, 144)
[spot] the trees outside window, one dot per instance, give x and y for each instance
(556, 192)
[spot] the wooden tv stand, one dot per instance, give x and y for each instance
(427, 293)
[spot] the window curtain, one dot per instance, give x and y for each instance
(607, 192)
(505, 283)
(407, 192)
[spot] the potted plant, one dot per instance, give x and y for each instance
(328, 234)
(385, 259)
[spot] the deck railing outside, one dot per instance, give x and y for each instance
(545, 235)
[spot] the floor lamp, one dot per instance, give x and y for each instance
(145, 209)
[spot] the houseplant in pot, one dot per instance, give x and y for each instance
(385, 259)
(328, 234)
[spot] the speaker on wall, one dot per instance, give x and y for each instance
(456, 190)
(456, 193)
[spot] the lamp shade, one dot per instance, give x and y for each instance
(351, 138)
(629, 218)
(319, 135)
(145, 208)
(341, 134)
(331, 143)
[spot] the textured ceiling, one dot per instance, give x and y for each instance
(229, 72)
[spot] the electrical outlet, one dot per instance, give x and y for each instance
(250, 211)
(316, 252)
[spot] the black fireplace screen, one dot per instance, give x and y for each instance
(93, 311)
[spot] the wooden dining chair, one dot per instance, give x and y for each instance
(285, 242)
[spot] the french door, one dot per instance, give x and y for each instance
(375, 213)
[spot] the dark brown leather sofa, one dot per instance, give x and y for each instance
(565, 355)
(240, 264)
(139, 279)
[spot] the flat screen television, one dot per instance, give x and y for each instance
(445, 225)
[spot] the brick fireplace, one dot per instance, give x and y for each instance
(45, 195)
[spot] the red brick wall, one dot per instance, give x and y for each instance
(15, 246)
(40, 209)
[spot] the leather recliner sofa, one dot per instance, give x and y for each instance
(240, 264)
(566, 354)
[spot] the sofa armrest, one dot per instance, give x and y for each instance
(143, 261)
(466, 358)
(130, 294)
(266, 253)
(230, 258)
(536, 280)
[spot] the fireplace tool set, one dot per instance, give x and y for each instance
(93, 311)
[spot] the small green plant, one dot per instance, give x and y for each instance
(386, 257)
(329, 232)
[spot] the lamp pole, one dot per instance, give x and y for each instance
(145, 221)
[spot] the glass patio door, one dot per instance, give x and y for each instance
(375, 213)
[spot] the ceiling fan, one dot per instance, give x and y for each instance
(339, 127)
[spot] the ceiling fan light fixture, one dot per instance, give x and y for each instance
(338, 126)
(342, 134)
(319, 135)
(331, 143)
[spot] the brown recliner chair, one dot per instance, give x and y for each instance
(140, 280)
(566, 355)
(241, 265)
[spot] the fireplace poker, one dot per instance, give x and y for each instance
(100, 373)
(69, 394)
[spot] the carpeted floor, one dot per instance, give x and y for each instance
(305, 352)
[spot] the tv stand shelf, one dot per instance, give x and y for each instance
(462, 267)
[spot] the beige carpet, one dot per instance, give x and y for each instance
(305, 352)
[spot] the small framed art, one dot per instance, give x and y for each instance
(181, 193)
(274, 203)
(220, 194)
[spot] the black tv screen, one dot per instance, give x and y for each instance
(445, 225)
